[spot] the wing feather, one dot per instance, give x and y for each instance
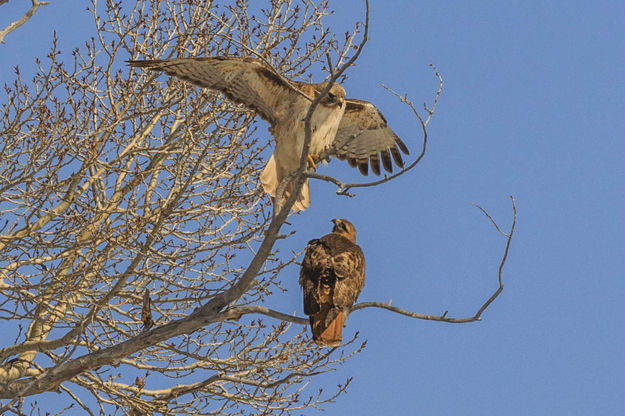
(386, 160)
(363, 135)
(317, 261)
(243, 80)
(374, 160)
(349, 268)
(363, 166)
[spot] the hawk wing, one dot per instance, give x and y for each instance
(243, 80)
(364, 137)
(317, 263)
(349, 269)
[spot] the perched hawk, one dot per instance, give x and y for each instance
(350, 129)
(332, 276)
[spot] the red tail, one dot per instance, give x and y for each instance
(330, 335)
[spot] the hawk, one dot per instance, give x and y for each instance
(332, 276)
(352, 130)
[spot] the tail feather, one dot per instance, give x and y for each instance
(271, 178)
(303, 201)
(327, 333)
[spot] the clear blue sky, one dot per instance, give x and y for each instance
(533, 106)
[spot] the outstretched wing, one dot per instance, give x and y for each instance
(364, 137)
(243, 80)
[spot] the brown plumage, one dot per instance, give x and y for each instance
(352, 130)
(332, 277)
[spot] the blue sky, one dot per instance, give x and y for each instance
(533, 106)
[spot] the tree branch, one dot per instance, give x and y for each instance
(36, 4)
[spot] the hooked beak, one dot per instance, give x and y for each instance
(340, 103)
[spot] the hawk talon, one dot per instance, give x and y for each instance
(312, 162)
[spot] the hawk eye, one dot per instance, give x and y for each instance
(331, 96)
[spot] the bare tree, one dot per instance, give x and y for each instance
(136, 246)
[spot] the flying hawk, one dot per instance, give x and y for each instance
(350, 129)
(332, 276)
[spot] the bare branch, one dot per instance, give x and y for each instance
(483, 307)
(237, 313)
(36, 4)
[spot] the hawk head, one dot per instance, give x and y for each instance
(345, 229)
(335, 97)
